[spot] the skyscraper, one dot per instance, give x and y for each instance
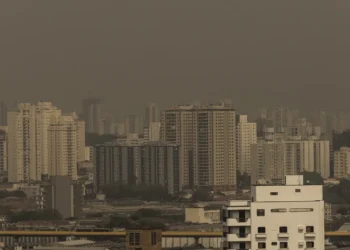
(3, 114)
(3, 150)
(32, 144)
(342, 163)
(207, 139)
(63, 156)
(282, 118)
(133, 124)
(246, 135)
(92, 114)
(151, 114)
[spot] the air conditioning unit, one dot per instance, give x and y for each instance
(300, 228)
(300, 244)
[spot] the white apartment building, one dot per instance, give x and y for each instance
(28, 140)
(277, 217)
(271, 160)
(207, 138)
(246, 135)
(63, 154)
(342, 163)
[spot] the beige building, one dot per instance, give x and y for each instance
(273, 159)
(63, 147)
(201, 215)
(3, 149)
(30, 140)
(246, 135)
(342, 163)
(207, 138)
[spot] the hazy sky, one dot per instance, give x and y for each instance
(257, 53)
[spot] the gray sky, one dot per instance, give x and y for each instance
(257, 53)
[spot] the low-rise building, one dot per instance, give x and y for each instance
(202, 215)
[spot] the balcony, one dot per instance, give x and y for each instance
(240, 237)
(238, 221)
(261, 236)
(310, 235)
(283, 235)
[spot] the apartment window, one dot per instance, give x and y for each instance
(283, 244)
(134, 239)
(260, 212)
(261, 245)
(274, 243)
(283, 230)
(261, 230)
(273, 193)
(297, 190)
(310, 244)
(310, 229)
(278, 210)
(154, 238)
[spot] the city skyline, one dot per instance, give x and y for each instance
(275, 61)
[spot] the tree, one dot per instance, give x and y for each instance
(312, 178)
(47, 214)
(92, 139)
(202, 194)
(148, 212)
(243, 180)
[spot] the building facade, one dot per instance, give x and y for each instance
(62, 194)
(151, 114)
(149, 164)
(31, 140)
(208, 144)
(92, 114)
(246, 135)
(342, 163)
(3, 150)
(277, 217)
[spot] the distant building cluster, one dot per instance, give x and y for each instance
(183, 147)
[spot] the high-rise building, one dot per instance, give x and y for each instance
(264, 113)
(63, 155)
(92, 114)
(63, 195)
(267, 161)
(132, 124)
(29, 143)
(277, 217)
(107, 125)
(3, 150)
(282, 118)
(160, 165)
(149, 164)
(152, 133)
(207, 139)
(342, 163)
(272, 159)
(151, 114)
(246, 135)
(3, 114)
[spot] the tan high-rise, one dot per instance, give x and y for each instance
(29, 141)
(206, 136)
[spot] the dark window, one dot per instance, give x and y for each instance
(278, 210)
(274, 243)
(261, 230)
(261, 245)
(260, 212)
(310, 229)
(154, 238)
(297, 190)
(274, 193)
(310, 244)
(283, 230)
(283, 244)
